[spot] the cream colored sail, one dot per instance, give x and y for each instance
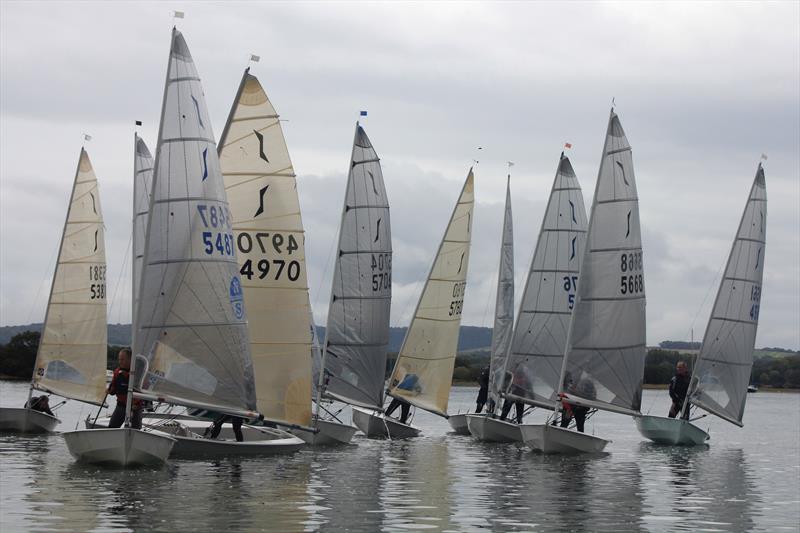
(72, 352)
(423, 372)
(268, 230)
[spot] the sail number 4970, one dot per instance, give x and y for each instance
(265, 243)
(632, 279)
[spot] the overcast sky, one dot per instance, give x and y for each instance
(702, 90)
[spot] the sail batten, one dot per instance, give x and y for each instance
(191, 324)
(722, 372)
(357, 333)
(531, 369)
(603, 365)
(269, 237)
(71, 358)
(423, 372)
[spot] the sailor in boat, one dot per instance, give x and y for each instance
(483, 392)
(519, 385)
(40, 403)
(585, 389)
(214, 429)
(405, 409)
(119, 387)
(678, 386)
(410, 383)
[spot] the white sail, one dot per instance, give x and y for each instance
(357, 334)
(423, 371)
(262, 190)
(71, 360)
(191, 323)
(316, 355)
(504, 305)
(142, 180)
(604, 359)
(722, 373)
(540, 336)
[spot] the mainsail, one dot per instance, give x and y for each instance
(423, 371)
(357, 333)
(191, 323)
(537, 351)
(71, 360)
(604, 358)
(504, 305)
(722, 373)
(268, 230)
(142, 180)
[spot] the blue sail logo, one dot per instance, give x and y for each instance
(237, 297)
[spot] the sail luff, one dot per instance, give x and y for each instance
(357, 332)
(722, 371)
(503, 330)
(71, 357)
(534, 363)
(604, 359)
(191, 323)
(421, 376)
(268, 231)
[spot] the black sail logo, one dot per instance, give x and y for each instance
(261, 194)
(261, 152)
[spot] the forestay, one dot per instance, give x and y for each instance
(71, 360)
(504, 305)
(537, 352)
(423, 372)
(605, 352)
(268, 229)
(191, 321)
(142, 180)
(722, 373)
(357, 334)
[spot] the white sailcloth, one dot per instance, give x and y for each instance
(142, 181)
(504, 305)
(191, 323)
(722, 373)
(357, 334)
(604, 359)
(537, 352)
(71, 360)
(423, 372)
(268, 228)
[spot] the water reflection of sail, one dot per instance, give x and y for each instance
(724, 478)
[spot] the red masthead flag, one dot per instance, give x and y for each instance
(567, 145)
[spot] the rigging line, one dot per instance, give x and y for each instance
(119, 279)
(334, 242)
(43, 280)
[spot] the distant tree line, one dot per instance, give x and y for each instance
(18, 356)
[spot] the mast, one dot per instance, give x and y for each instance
(357, 332)
(261, 186)
(603, 365)
(722, 371)
(540, 334)
(423, 371)
(503, 329)
(71, 357)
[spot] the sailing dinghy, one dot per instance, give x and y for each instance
(268, 231)
(603, 362)
(357, 332)
(501, 333)
(721, 374)
(71, 359)
(529, 369)
(423, 372)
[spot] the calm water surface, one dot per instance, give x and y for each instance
(747, 479)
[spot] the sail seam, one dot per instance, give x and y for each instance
(618, 200)
(724, 319)
(748, 239)
(186, 139)
(618, 150)
(612, 299)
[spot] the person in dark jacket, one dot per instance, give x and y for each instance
(678, 387)
(483, 392)
(119, 387)
(212, 432)
(41, 404)
(405, 409)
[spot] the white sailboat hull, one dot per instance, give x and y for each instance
(490, 429)
(257, 440)
(118, 447)
(329, 433)
(24, 420)
(378, 425)
(675, 431)
(547, 438)
(459, 423)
